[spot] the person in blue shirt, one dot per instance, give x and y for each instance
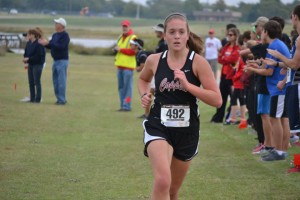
(34, 56)
(59, 45)
(278, 112)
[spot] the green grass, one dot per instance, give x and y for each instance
(87, 150)
(96, 27)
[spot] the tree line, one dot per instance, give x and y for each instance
(153, 8)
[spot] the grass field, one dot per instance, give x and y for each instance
(95, 27)
(87, 150)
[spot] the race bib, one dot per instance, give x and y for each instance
(175, 115)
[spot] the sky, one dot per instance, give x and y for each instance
(228, 2)
(235, 2)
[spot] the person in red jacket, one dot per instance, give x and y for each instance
(228, 57)
(238, 94)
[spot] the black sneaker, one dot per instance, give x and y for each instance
(273, 156)
(60, 103)
(231, 122)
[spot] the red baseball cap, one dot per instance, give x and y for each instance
(125, 22)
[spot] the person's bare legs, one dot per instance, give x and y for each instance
(286, 133)
(243, 112)
(267, 127)
(233, 110)
(178, 172)
(160, 155)
(277, 133)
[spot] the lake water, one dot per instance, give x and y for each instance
(93, 42)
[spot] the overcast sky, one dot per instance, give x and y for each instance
(228, 2)
(235, 2)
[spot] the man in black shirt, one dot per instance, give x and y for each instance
(162, 45)
(141, 56)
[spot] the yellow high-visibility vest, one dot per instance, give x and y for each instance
(123, 60)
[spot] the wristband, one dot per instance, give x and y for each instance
(144, 95)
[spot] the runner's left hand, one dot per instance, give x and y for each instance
(180, 76)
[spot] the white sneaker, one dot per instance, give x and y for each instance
(294, 138)
(25, 99)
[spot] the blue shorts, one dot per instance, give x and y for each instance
(263, 104)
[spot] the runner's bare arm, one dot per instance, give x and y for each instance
(145, 78)
(210, 93)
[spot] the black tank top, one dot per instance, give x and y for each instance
(170, 92)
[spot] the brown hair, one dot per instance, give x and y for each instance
(236, 32)
(296, 11)
(273, 29)
(37, 32)
(194, 43)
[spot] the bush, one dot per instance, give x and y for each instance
(150, 45)
(79, 49)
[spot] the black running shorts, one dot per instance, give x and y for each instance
(184, 140)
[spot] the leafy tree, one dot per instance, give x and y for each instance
(220, 5)
(130, 9)
(189, 6)
(270, 8)
(161, 8)
(115, 7)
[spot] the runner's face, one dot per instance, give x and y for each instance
(176, 34)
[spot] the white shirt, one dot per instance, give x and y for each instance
(212, 47)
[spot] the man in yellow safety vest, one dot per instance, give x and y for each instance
(126, 63)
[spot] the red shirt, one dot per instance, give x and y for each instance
(239, 71)
(228, 57)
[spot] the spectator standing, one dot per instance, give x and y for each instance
(34, 56)
(125, 62)
(293, 101)
(225, 40)
(59, 45)
(212, 48)
(228, 57)
(238, 94)
(278, 113)
(162, 45)
(284, 37)
(141, 56)
(261, 97)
